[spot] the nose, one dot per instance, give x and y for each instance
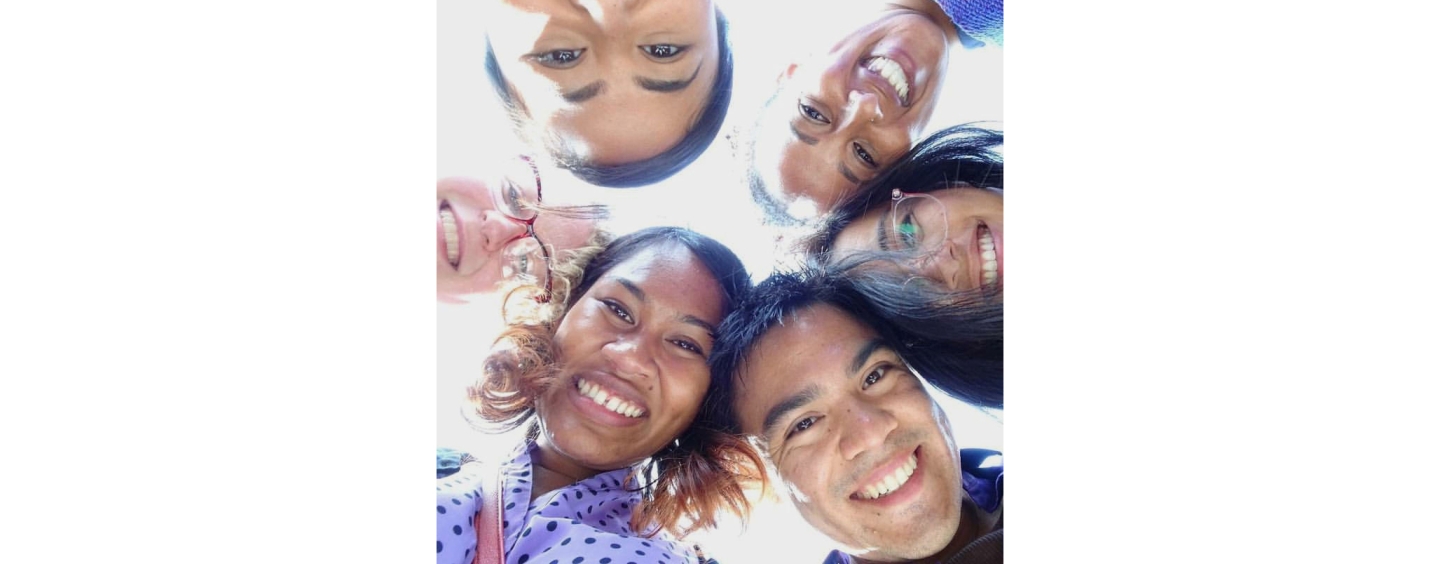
(865, 429)
(865, 108)
(499, 230)
(630, 357)
(944, 264)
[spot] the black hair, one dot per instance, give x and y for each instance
(645, 171)
(953, 341)
(722, 263)
(954, 155)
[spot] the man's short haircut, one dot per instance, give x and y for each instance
(645, 171)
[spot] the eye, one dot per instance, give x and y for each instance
(875, 375)
(802, 425)
(813, 114)
(522, 265)
(663, 50)
(908, 233)
(559, 58)
(689, 346)
(864, 155)
(619, 311)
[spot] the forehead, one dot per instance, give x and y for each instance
(814, 346)
(671, 277)
(860, 234)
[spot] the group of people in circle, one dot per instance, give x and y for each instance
(657, 386)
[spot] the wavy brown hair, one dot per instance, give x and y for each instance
(685, 485)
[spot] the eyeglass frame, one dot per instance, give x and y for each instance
(897, 195)
(529, 225)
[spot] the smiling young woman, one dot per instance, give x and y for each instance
(606, 378)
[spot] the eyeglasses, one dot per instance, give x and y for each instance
(526, 257)
(917, 224)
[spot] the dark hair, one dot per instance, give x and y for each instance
(645, 171)
(953, 341)
(954, 155)
(696, 475)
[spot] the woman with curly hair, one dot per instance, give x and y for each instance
(606, 372)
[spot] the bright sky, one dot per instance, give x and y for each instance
(706, 197)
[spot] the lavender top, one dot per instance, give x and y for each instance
(588, 521)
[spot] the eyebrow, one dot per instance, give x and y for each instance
(864, 354)
(584, 93)
(792, 403)
(880, 233)
(668, 85)
(844, 171)
(639, 294)
(806, 139)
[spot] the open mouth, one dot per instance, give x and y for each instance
(894, 74)
(452, 234)
(608, 399)
(989, 259)
(891, 482)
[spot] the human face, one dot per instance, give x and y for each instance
(618, 81)
(637, 340)
(951, 248)
(840, 417)
(485, 250)
(841, 118)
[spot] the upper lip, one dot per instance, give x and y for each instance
(615, 386)
(884, 469)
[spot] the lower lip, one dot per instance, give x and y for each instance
(597, 413)
(907, 492)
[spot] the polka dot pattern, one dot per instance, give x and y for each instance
(588, 521)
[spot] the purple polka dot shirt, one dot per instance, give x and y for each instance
(585, 522)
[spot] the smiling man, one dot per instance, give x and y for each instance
(818, 375)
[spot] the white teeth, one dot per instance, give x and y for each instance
(893, 73)
(989, 265)
(892, 481)
(605, 399)
(452, 236)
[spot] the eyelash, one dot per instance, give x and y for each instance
(864, 155)
(689, 346)
(675, 50)
(807, 111)
(797, 428)
(551, 58)
(879, 373)
(619, 311)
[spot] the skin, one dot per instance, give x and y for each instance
(864, 416)
(835, 123)
(551, 49)
(652, 351)
(957, 262)
(483, 234)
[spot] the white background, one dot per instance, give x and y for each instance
(219, 341)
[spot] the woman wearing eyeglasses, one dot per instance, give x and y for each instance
(939, 213)
(605, 372)
(497, 229)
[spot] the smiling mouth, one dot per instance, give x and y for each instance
(894, 74)
(989, 261)
(452, 234)
(608, 400)
(891, 482)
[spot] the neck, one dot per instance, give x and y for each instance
(554, 470)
